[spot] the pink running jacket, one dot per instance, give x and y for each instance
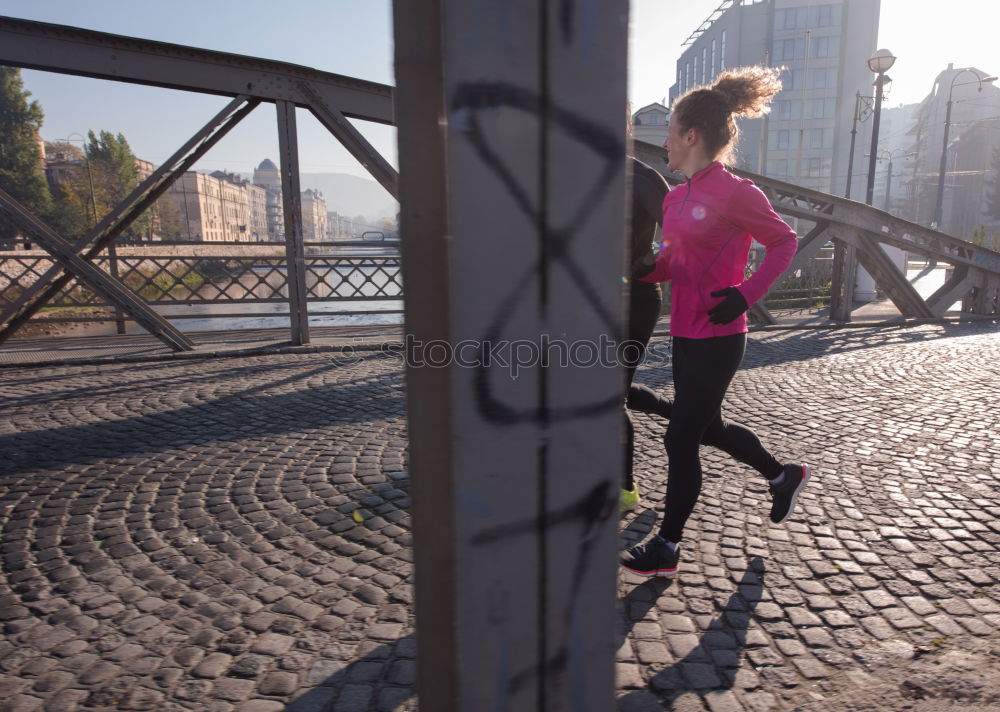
(709, 223)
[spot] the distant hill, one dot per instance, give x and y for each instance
(350, 195)
(347, 194)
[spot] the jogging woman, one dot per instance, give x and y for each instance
(709, 223)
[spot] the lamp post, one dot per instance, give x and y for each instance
(90, 175)
(939, 203)
(850, 282)
(880, 63)
(862, 110)
(889, 155)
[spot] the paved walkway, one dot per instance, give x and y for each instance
(232, 534)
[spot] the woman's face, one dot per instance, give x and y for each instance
(675, 144)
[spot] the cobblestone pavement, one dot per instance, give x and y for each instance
(232, 534)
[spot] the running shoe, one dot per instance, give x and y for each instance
(628, 499)
(654, 558)
(783, 496)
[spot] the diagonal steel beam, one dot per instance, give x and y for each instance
(23, 308)
(86, 53)
(889, 277)
(956, 287)
(337, 124)
(100, 281)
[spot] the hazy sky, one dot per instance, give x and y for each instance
(354, 37)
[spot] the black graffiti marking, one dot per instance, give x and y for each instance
(468, 102)
(566, 19)
(595, 507)
(592, 510)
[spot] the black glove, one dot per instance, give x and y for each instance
(732, 305)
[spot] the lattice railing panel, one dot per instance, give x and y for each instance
(226, 279)
(806, 288)
(354, 278)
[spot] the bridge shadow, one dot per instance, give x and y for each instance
(384, 679)
(713, 662)
(255, 411)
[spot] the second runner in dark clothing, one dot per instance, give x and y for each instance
(644, 306)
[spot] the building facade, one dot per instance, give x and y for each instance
(824, 46)
(268, 177)
(650, 124)
(257, 197)
(314, 219)
(973, 135)
(197, 197)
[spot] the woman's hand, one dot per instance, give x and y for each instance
(729, 309)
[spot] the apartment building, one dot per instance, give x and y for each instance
(973, 135)
(824, 46)
(314, 218)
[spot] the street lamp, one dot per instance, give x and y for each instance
(880, 63)
(939, 204)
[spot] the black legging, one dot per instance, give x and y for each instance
(645, 304)
(702, 370)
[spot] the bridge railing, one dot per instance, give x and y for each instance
(199, 280)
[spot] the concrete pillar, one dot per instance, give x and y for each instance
(511, 124)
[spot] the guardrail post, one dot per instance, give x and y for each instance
(291, 196)
(113, 261)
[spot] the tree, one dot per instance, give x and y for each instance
(89, 183)
(115, 170)
(981, 238)
(22, 173)
(72, 211)
(992, 208)
(165, 220)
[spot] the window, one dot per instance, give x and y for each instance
(722, 56)
(696, 68)
(817, 167)
(687, 83)
(823, 78)
(704, 65)
(777, 168)
(779, 140)
(713, 57)
(785, 50)
(786, 109)
(825, 15)
(791, 79)
(791, 18)
(819, 138)
(819, 108)
(824, 47)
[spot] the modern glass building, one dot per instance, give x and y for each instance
(824, 46)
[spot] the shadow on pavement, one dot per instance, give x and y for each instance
(713, 662)
(245, 411)
(384, 679)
